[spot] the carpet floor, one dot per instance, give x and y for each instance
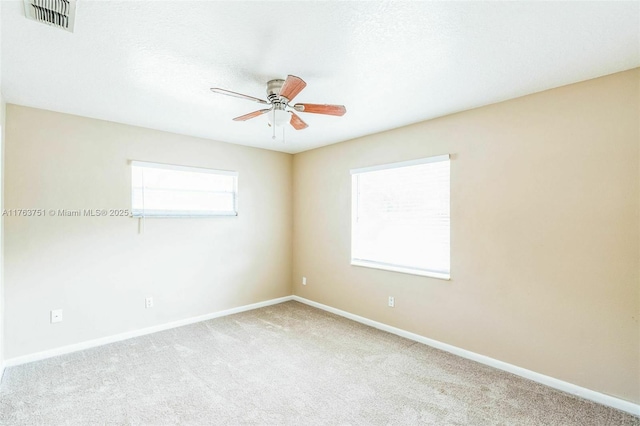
(287, 364)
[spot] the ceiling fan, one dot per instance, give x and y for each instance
(279, 94)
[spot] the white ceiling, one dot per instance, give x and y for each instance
(151, 63)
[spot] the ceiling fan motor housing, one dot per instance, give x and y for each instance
(273, 90)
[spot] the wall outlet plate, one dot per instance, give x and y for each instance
(56, 315)
(148, 302)
(304, 280)
(392, 301)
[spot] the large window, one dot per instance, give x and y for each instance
(177, 191)
(401, 217)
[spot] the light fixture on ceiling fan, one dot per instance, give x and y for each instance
(279, 94)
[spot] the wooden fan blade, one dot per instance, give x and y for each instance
(238, 95)
(321, 109)
(252, 115)
(297, 122)
(291, 87)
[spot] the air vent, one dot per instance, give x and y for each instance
(57, 13)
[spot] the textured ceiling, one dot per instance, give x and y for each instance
(151, 63)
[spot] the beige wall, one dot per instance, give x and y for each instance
(545, 233)
(99, 270)
(2, 308)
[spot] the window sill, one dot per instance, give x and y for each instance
(181, 216)
(402, 270)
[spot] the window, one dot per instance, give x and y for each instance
(400, 217)
(177, 191)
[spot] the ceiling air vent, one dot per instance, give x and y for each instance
(57, 13)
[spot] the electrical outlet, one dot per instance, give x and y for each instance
(148, 302)
(304, 280)
(392, 301)
(56, 315)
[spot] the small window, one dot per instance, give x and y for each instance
(164, 190)
(400, 217)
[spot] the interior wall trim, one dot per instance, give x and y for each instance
(37, 356)
(558, 384)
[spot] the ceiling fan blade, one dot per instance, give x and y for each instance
(321, 109)
(238, 95)
(252, 115)
(291, 87)
(297, 122)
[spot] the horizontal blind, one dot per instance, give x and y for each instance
(402, 217)
(164, 190)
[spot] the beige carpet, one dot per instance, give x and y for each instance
(285, 364)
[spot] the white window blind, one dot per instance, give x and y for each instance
(401, 218)
(178, 191)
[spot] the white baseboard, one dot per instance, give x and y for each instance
(585, 393)
(135, 333)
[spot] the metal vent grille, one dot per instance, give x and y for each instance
(57, 13)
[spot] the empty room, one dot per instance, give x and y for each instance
(319, 213)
